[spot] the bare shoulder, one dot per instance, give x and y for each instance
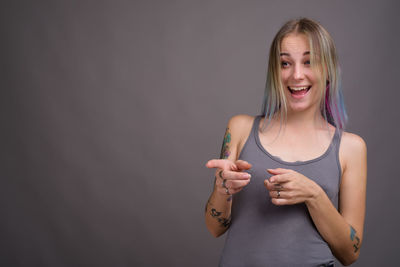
(352, 143)
(353, 149)
(239, 123)
(240, 127)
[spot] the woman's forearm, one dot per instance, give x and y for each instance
(218, 213)
(339, 234)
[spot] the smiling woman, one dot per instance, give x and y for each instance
(316, 57)
(301, 81)
(278, 181)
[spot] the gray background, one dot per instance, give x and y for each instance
(110, 109)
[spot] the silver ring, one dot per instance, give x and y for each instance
(220, 174)
(279, 194)
(227, 191)
(224, 184)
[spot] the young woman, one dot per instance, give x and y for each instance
(291, 183)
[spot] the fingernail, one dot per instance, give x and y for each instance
(246, 175)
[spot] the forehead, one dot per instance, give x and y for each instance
(295, 43)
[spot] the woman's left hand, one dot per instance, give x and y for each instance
(288, 187)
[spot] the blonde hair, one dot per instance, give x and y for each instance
(323, 58)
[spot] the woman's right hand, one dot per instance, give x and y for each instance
(230, 177)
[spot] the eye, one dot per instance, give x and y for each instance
(284, 64)
(307, 62)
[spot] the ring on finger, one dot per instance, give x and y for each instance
(224, 184)
(227, 191)
(278, 195)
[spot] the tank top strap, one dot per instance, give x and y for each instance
(336, 139)
(336, 142)
(255, 127)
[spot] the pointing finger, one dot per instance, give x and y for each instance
(220, 163)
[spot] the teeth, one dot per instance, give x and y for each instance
(298, 88)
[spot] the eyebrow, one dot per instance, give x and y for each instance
(287, 54)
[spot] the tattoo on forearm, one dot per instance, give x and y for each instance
(225, 222)
(225, 145)
(355, 238)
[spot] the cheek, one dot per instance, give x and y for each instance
(285, 76)
(313, 76)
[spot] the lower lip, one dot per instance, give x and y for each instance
(299, 95)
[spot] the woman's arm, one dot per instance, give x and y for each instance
(342, 231)
(228, 168)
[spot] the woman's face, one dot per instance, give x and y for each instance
(298, 77)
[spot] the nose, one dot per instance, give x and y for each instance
(298, 72)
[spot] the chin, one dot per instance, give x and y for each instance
(301, 106)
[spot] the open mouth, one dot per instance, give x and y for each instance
(299, 91)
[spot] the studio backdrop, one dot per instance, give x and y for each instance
(110, 109)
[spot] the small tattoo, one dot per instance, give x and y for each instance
(225, 145)
(225, 222)
(229, 198)
(215, 213)
(353, 235)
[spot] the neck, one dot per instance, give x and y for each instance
(307, 119)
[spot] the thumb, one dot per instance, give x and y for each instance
(243, 165)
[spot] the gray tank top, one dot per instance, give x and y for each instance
(262, 234)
